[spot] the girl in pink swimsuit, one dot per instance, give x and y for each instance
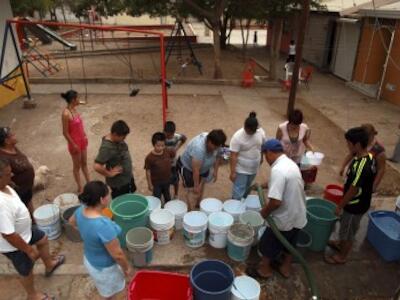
(75, 135)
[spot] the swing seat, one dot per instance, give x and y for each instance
(247, 79)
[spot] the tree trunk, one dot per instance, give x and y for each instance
(217, 53)
(275, 46)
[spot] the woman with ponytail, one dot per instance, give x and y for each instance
(246, 155)
(103, 257)
(75, 135)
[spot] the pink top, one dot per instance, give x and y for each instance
(77, 132)
(294, 149)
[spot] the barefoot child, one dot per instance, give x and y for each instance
(173, 142)
(158, 167)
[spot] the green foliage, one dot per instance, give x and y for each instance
(103, 7)
(28, 7)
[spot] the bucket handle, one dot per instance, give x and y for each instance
(241, 294)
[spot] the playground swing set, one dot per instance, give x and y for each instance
(9, 80)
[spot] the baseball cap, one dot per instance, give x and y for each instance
(273, 145)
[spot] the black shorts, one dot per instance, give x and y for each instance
(187, 175)
(174, 176)
(21, 261)
(125, 189)
(271, 247)
(25, 196)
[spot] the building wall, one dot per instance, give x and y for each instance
(391, 82)
(371, 54)
(10, 60)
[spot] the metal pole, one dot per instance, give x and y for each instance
(3, 50)
(163, 79)
(28, 94)
(299, 54)
(378, 94)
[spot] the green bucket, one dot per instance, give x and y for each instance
(321, 219)
(129, 211)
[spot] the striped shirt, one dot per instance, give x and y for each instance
(360, 174)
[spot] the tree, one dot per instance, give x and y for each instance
(23, 8)
(210, 12)
(275, 12)
(103, 7)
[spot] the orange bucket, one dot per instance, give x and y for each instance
(107, 213)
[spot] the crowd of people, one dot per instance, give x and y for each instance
(23, 243)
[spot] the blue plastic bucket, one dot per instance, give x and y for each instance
(211, 280)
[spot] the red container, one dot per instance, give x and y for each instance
(309, 175)
(334, 193)
(157, 285)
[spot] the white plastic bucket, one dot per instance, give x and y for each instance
(240, 238)
(245, 288)
(235, 208)
(140, 241)
(210, 205)
(314, 158)
(253, 203)
(154, 203)
(218, 226)
(194, 228)
(65, 201)
(179, 209)
(162, 222)
(255, 220)
(48, 220)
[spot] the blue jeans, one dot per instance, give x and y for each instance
(241, 185)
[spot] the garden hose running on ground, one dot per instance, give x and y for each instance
(290, 248)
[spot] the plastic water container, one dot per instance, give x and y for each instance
(147, 285)
(314, 158)
(211, 280)
(129, 211)
(218, 226)
(235, 208)
(140, 241)
(255, 220)
(48, 220)
(397, 209)
(245, 288)
(179, 209)
(162, 222)
(70, 231)
(240, 239)
(321, 219)
(194, 228)
(210, 205)
(303, 243)
(154, 203)
(334, 193)
(253, 203)
(65, 201)
(384, 234)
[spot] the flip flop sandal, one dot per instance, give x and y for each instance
(333, 261)
(253, 272)
(47, 297)
(60, 261)
(276, 267)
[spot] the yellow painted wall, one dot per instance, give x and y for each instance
(7, 95)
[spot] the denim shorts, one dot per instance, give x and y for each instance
(109, 281)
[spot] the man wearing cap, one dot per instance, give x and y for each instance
(286, 205)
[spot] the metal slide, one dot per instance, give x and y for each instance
(46, 35)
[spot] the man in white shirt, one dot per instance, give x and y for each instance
(19, 242)
(286, 205)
